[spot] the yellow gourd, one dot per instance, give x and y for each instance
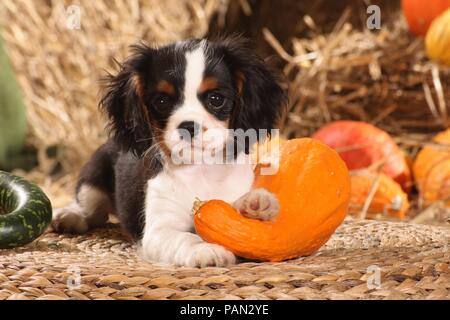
(437, 40)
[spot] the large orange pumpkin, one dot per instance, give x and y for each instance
(432, 169)
(313, 189)
(361, 145)
(420, 13)
(388, 197)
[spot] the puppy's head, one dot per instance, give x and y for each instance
(189, 91)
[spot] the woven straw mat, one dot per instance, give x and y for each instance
(362, 260)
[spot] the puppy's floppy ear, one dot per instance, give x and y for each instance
(129, 123)
(261, 100)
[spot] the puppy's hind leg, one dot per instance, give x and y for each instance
(94, 196)
(89, 210)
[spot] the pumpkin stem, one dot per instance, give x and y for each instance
(197, 205)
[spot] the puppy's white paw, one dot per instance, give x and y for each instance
(209, 255)
(69, 220)
(258, 204)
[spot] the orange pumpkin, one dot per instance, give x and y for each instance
(432, 169)
(388, 198)
(361, 145)
(420, 13)
(313, 188)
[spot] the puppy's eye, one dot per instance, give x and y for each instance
(162, 102)
(216, 100)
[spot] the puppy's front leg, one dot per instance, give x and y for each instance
(258, 204)
(168, 236)
(182, 248)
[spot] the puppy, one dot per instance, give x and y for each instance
(160, 102)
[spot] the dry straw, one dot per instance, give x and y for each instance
(380, 76)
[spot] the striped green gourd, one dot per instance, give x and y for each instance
(25, 211)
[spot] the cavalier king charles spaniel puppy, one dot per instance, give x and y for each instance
(165, 107)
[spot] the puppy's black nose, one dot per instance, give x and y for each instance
(188, 127)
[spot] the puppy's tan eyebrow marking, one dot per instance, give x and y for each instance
(136, 80)
(208, 83)
(166, 87)
(240, 78)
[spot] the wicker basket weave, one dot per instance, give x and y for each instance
(411, 260)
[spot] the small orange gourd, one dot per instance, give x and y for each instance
(313, 188)
(388, 197)
(432, 169)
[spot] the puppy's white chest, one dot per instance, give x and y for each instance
(218, 181)
(176, 190)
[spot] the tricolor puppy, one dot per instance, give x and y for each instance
(160, 103)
